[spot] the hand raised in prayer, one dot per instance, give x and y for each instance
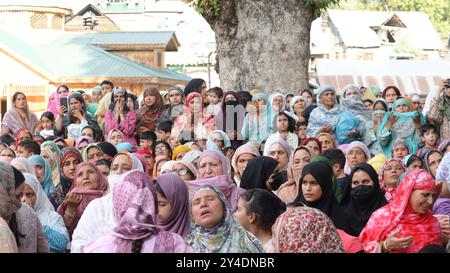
(73, 200)
(326, 129)
(230, 154)
(392, 119)
(394, 243)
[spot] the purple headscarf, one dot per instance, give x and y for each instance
(81, 139)
(224, 182)
(134, 209)
(177, 194)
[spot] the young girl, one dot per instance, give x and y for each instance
(46, 123)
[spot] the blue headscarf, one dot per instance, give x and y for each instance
(46, 181)
(261, 133)
(404, 127)
(321, 115)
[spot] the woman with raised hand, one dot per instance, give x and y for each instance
(120, 117)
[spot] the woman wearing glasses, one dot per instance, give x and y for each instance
(120, 117)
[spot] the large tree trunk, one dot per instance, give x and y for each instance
(263, 43)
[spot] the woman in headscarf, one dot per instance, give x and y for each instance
(231, 118)
(166, 167)
(317, 191)
(23, 165)
(431, 162)
(356, 152)
(133, 201)
(214, 229)
(406, 225)
(48, 155)
(305, 230)
(402, 124)
(159, 162)
(192, 157)
(175, 107)
(279, 150)
(259, 173)
(389, 175)
(70, 158)
(194, 119)
(23, 135)
(54, 229)
(299, 159)
(7, 155)
(8, 243)
(379, 109)
(54, 148)
(179, 152)
(439, 113)
(352, 102)
(120, 117)
(19, 117)
(213, 168)
(43, 173)
(98, 217)
(362, 196)
(241, 158)
(313, 144)
(82, 141)
(220, 139)
(147, 115)
(71, 121)
(298, 108)
(413, 162)
(335, 186)
(88, 185)
(326, 141)
(23, 221)
(258, 121)
(325, 116)
(277, 102)
(173, 204)
(92, 153)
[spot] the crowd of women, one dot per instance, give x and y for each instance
(197, 170)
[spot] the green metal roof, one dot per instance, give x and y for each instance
(137, 6)
(130, 37)
(74, 56)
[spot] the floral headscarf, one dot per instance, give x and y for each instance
(226, 237)
(306, 230)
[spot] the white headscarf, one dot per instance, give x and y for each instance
(23, 165)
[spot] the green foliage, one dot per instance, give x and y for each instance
(437, 10)
(207, 8)
(404, 45)
(211, 9)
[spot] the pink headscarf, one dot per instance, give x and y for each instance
(81, 139)
(400, 215)
(389, 193)
(143, 161)
(134, 209)
(177, 194)
(352, 145)
(87, 195)
(53, 105)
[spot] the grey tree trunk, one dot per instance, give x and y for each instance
(263, 43)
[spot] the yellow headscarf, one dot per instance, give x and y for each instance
(179, 149)
(377, 162)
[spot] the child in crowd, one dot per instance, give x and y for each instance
(429, 136)
(28, 148)
(46, 123)
(337, 158)
(215, 96)
(301, 131)
(163, 130)
(146, 140)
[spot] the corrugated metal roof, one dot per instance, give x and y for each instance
(74, 56)
(131, 37)
(411, 76)
(354, 27)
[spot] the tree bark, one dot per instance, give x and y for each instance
(263, 44)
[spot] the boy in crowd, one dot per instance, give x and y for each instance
(163, 130)
(146, 140)
(337, 158)
(28, 148)
(428, 135)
